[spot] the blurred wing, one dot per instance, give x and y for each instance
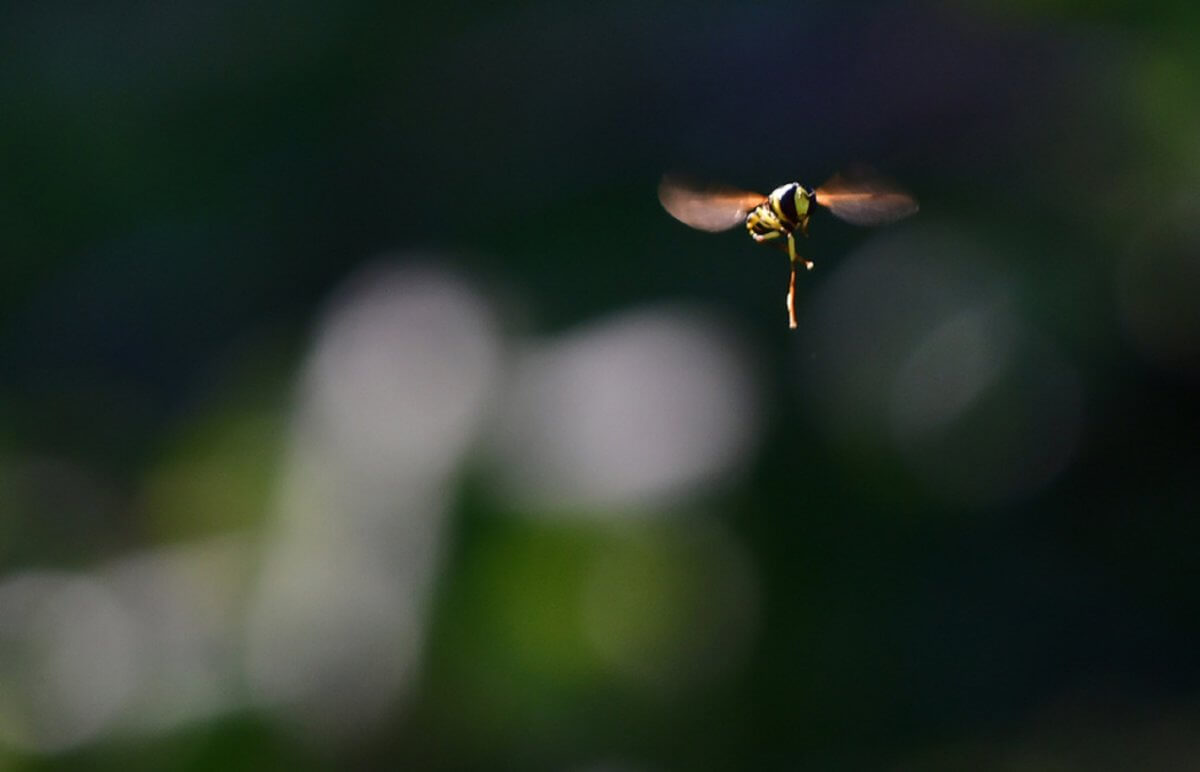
(706, 208)
(865, 199)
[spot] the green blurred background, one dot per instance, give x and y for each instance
(361, 408)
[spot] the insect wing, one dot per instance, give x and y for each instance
(865, 199)
(706, 208)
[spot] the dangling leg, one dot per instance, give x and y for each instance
(791, 298)
(791, 250)
(791, 295)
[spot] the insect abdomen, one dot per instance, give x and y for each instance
(763, 223)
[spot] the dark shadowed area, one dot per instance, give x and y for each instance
(361, 407)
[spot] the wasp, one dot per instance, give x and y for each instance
(861, 198)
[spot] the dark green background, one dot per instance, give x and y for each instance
(182, 186)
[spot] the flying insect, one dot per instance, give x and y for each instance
(863, 198)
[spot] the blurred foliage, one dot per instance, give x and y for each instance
(184, 186)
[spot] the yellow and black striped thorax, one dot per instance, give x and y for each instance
(785, 210)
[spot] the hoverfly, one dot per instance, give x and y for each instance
(861, 199)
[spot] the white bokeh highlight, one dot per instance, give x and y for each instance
(391, 397)
(632, 412)
(402, 364)
(185, 603)
(67, 666)
(142, 644)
